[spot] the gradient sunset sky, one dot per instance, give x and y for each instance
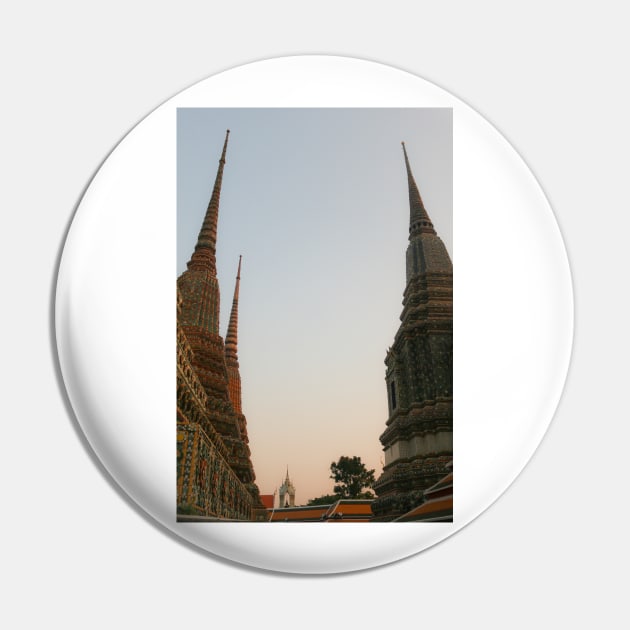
(316, 201)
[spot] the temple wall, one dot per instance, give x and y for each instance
(206, 485)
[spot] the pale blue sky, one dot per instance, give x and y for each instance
(316, 201)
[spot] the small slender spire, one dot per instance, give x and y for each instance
(419, 221)
(205, 250)
(231, 338)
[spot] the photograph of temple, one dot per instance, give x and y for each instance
(318, 220)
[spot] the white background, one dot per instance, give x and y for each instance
(552, 550)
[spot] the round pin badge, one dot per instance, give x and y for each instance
(314, 314)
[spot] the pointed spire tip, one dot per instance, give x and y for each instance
(419, 220)
(405, 153)
(205, 250)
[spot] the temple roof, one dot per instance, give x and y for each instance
(344, 510)
(267, 500)
(433, 510)
(350, 510)
(446, 482)
(438, 504)
(305, 513)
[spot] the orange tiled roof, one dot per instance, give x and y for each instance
(351, 508)
(310, 513)
(267, 500)
(430, 510)
(349, 520)
(343, 511)
(445, 482)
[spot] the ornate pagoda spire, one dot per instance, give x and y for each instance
(204, 256)
(426, 251)
(231, 339)
(231, 356)
(198, 323)
(419, 221)
(418, 438)
(199, 284)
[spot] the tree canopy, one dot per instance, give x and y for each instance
(351, 477)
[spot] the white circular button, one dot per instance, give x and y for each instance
(116, 293)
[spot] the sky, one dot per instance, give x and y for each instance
(316, 201)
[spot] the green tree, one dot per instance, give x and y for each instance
(351, 476)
